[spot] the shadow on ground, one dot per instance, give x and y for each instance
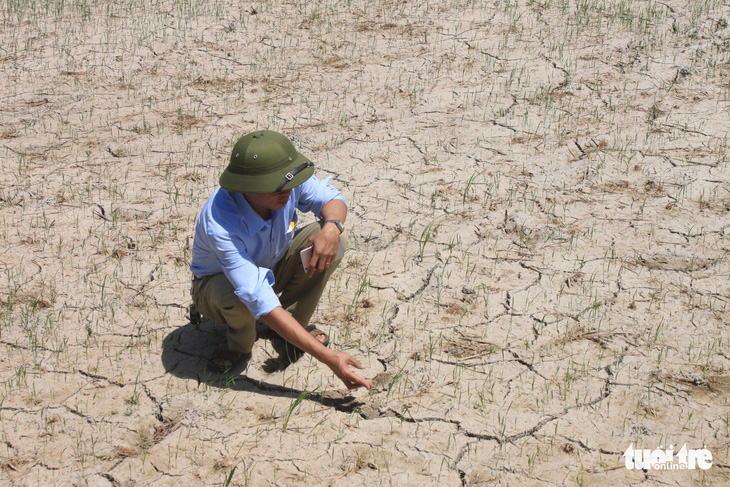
(185, 353)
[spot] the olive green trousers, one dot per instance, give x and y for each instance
(299, 294)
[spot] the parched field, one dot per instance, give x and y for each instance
(539, 229)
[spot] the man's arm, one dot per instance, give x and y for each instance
(325, 241)
(290, 330)
(334, 210)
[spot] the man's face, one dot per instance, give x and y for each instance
(268, 201)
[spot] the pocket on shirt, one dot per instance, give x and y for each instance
(292, 226)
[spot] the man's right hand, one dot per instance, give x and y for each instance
(280, 321)
(340, 365)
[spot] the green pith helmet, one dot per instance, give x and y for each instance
(265, 162)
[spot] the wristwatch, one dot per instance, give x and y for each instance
(340, 227)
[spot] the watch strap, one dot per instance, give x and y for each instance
(337, 223)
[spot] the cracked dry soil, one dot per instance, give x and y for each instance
(538, 274)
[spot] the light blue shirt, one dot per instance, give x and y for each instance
(231, 238)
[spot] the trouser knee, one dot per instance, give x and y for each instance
(215, 299)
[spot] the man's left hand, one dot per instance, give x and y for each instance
(325, 243)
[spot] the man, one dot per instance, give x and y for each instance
(247, 251)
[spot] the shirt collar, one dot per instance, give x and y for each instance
(251, 220)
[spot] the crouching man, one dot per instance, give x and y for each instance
(246, 254)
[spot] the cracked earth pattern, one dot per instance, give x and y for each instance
(538, 267)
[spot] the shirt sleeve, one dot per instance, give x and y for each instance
(252, 284)
(314, 194)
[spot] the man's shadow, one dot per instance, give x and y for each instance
(185, 353)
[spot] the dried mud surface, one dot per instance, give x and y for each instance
(538, 267)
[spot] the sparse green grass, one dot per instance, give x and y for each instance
(537, 219)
